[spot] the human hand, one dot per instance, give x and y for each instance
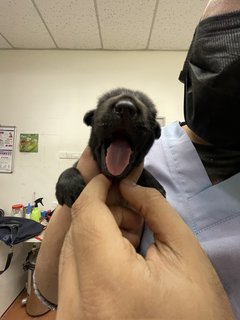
(129, 222)
(102, 276)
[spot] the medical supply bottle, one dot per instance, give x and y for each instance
(28, 211)
(36, 213)
(17, 210)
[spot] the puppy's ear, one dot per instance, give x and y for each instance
(88, 118)
(157, 130)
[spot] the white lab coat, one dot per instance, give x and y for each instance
(211, 211)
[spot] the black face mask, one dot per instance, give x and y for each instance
(211, 76)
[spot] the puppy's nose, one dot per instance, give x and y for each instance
(125, 108)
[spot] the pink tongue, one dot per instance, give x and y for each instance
(118, 156)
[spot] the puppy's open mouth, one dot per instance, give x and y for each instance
(118, 157)
(116, 154)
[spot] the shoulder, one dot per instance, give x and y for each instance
(173, 142)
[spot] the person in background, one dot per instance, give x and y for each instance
(198, 162)
(101, 276)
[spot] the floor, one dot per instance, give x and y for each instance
(18, 312)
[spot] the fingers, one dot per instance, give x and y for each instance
(68, 278)
(87, 165)
(136, 173)
(93, 197)
(129, 222)
(162, 219)
(126, 218)
(93, 225)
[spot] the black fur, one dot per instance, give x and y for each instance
(121, 115)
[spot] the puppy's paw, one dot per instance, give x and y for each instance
(69, 186)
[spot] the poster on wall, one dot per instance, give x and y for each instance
(7, 142)
(28, 142)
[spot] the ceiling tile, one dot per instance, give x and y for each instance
(4, 44)
(72, 23)
(175, 23)
(125, 24)
(21, 25)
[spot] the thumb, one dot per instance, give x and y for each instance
(94, 229)
(160, 216)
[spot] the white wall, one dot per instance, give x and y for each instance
(48, 92)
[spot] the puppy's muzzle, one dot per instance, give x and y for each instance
(125, 109)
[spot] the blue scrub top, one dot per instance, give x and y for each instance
(211, 211)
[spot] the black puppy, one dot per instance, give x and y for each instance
(124, 127)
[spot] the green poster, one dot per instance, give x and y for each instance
(28, 142)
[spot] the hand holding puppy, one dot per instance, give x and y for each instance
(109, 280)
(129, 222)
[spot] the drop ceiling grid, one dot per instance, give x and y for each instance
(73, 24)
(3, 43)
(175, 23)
(99, 24)
(21, 25)
(125, 24)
